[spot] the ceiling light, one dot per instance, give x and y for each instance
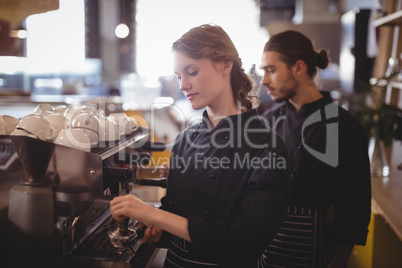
(19, 33)
(122, 30)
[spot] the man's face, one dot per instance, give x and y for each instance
(278, 78)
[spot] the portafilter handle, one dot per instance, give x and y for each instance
(124, 237)
(123, 226)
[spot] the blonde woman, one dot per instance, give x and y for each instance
(228, 177)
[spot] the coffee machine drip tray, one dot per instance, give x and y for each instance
(92, 241)
(91, 230)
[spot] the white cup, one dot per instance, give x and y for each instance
(101, 115)
(44, 109)
(86, 120)
(117, 116)
(108, 131)
(124, 123)
(8, 124)
(59, 109)
(72, 112)
(21, 132)
(74, 138)
(89, 108)
(38, 126)
(92, 135)
(133, 123)
(58, 121)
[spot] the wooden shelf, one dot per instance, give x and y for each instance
(386, 194)
(395, 84)
(390, 20)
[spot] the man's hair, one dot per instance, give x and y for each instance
(294, 46)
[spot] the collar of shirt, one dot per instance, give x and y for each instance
(308, 108)
(232, 120)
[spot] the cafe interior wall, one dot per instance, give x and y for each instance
(102, 43)
(318, 19)
(51, 59)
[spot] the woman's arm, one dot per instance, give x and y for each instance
(130, 206)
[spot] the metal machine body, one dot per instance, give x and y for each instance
(60, 212)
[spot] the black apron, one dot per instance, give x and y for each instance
(302, 241)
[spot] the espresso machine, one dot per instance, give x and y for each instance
(59, 213)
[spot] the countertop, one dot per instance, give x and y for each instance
(387, 199)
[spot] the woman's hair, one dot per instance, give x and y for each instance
(294, 46)
(212, 42)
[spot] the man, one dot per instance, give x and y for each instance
(330, 196)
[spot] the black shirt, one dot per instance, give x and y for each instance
(231, 184)
(329, 164)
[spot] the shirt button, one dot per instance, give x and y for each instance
(212, 176)
(299, 147)
(206, 212)
(292, 175)
(171, 203)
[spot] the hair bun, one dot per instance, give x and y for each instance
(321, 59)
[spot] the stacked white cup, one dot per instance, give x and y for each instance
(8, 124)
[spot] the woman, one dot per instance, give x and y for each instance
(228, 176)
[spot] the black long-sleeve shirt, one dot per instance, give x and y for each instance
(329, 164)
(231, 184)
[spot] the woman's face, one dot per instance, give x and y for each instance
(203, 82)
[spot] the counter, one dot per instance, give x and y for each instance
(387, 199)
(384, 240)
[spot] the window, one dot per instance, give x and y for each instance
(57, 37)
(160, 23)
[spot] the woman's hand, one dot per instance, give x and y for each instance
(129, 206)
(163, 172)
(151, 235)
